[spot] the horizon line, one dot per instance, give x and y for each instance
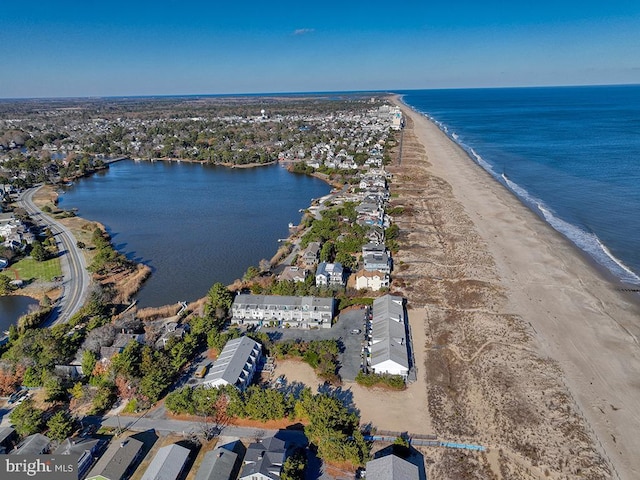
(315, 93)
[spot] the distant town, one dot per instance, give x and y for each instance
(209, 389)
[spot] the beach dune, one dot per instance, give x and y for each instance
(538, 346)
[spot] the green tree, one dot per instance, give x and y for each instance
(38, 252)
(26, 418)
(60, 426)
(295, 465)
(327, 252)
(104, 398)
(180, 401)
(77, 391)
(5, 285)
(219, 301)
(251, 273)
(55, 390)
(89, 360)
(128, 361)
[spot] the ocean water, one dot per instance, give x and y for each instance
(571, 154)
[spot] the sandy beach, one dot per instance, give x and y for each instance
(530, 349)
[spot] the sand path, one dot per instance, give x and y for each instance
(577, 316)
(382, 408)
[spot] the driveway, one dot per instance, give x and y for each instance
(351, 343)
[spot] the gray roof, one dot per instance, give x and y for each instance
(35, 444)
(167, 464)
(236, 356)
(374, 247)
(267, 302)
(313, 249)
(265, 457)
(391, 468)
(77, 446)
(223, 463)
(6, 433)
(117, 459)
(389, 334)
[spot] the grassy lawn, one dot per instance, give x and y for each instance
(29, 269)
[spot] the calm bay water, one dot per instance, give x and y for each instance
(193, 224)
(12, 307)
(572, 154)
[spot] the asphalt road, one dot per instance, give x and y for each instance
(76, 280)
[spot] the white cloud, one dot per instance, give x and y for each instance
(303, 31)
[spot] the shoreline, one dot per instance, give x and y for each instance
(605, 272)
(575, 315)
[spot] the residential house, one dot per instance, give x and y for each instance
(389, 338)
(377, 261)
(374, 280)
(236, 364)
(69, 372)
(84, 449)
(171, 330)
(293, 274)
(283, 311)
(36, 444)
(119, 344)
(311, 255)
(391, 467)
(264, 460)
(119, 461)
(168, 463)
(223, 463)
(7, 436)
(330, 275)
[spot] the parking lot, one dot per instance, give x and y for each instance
(348, 323)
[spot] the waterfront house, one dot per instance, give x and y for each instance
(374, 280)
(293, 274)
(236, 364)
(311, 255)
(119, 344)
(283, 311)
(377, 261)
(119, 461)
(330, 275)
(168, 463)
(389, 337)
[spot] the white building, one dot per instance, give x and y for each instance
(330, 275)
(389, 339)
(373, 281)
(283, 311)
(236, 364)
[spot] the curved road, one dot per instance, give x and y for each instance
(76, 280)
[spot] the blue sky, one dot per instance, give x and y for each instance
(88, 48)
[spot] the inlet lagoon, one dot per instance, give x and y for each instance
(193, 224)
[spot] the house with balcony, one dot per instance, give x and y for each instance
(283, 311)
(389, 337)
(236, 364)
(330, 275)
